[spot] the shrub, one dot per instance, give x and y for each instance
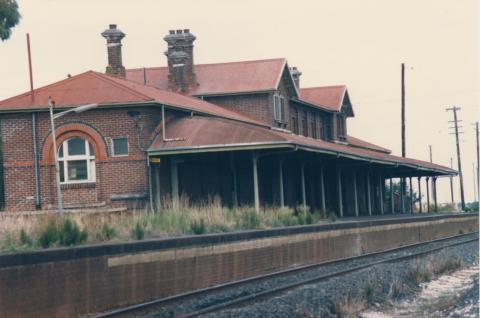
(249, 219)
(197, 226)
(139, 231)
(49, 235)
(288, 219)
(107, 232)
(332, 217)
(25, 239)
(368, 291)
(71, 234)
(305, 217)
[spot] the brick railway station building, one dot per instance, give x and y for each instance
(244, 132)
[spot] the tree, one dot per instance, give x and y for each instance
(396, 191)
(9, 17)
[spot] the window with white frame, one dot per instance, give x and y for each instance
(279, 108)
(120, 146)
(76, 158)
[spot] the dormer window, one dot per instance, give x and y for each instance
(341, 126)
(305, 124)
(279, 108)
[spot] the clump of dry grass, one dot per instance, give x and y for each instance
(349, 307)
(424, 271)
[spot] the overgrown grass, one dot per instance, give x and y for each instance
(70, 229)
(425, 271)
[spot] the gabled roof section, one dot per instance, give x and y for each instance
(330, 97)
(347, 105)
(220, 78)
(85, 88)
(286, 76)
(94, 87)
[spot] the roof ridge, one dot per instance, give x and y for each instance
(117, 82)
(320, 87)
(208, 64)
(74, 77)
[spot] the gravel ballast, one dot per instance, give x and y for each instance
(318, 300)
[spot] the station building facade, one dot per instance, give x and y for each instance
(244, 133)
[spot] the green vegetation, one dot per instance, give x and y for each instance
(53, 230)
(139, 231)
(70, 234)
(49, 236)
(25, 239)
(198, 226)
(9, 17)
(67, 233)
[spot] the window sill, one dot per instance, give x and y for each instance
(79, 185)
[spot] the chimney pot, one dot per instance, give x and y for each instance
(295, 75)
(181, 76)
(114, 47)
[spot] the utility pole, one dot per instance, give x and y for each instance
(451, 184)
(474, 184)
(459, 159)
(478, 161)
(404, 151)
(434, 190)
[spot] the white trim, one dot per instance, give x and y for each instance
(66, 158)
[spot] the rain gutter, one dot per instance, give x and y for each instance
(222, 147)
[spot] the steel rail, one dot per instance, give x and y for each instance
(261, 295)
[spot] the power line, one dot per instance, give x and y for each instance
(454, 109)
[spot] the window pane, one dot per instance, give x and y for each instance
(62, 172)
(76, 146)
(60, 151)
(92, 153)
(282, 109)
(77, 170)
(120, 146)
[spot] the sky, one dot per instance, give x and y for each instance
(358, 43)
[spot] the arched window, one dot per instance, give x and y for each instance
(77, 161)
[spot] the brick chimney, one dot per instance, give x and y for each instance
(114, 46)
(181, 76)
(295, 75)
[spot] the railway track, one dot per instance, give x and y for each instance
(287, 280)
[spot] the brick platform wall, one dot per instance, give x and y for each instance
(72, 282)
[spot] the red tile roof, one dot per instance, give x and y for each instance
(94, 87)
(234, 77)
(330, 97)
(355, 142)
(197, 133)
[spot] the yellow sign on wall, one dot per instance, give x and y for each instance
(155, 160)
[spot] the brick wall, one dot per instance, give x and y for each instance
(114, 175)
(256, 105)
